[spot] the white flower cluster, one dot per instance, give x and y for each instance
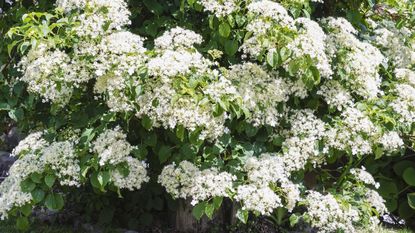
(118, 62)
(327, 215)
(310, 42)
(31, 143)
(220, 8)
(262, 173)
(301, 144)
(376, 201)
(49, 73)
(188, 181)
(11, 195)
(262, 200)
(404, 96)
(58, 157)
(97, 17)
(261, 91)
(111, 146)
(137, 174)
(266, 16)
(391, 141)
(115, 58)
(360, 174)
(113, 149)
(335, 95)
(172, 96)
(354, 132)
(211, 183)
(62, 159)
(395, 43)
(177, 38)
(357, 62)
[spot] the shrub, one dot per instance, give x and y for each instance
(257, 102)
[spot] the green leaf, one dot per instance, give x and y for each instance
(294, 220)
(54, 201)
(151, 140)
(94, 181)
(388, 188)
(38, 195)
(251, 130)
(284, 54)
(209, 210)
(199, 210)
(36, 177)
(242, 215)
(140, 152)
(409, 176)
(11, 46)
(278, 140)
(164, 153)
(146, 123)
(224, 29)
(272, 59)
(378, 153)
(405, 211)
(411, 200)
(231, 47)
(180, 132)
(27, 186)
(26, 210)
(103, 178)
(217, 202)
(50, 180)
(22, 223)
(16, 114)
(153, 6)
(400, 167)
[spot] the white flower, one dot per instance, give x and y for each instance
(404, 103)
(376, 201)
(187, 181)
(111, 147)
(326, 215)
(137, 175)
(363, 176)
(94, 20)
(335, 95)
(261, 92)
(119, 60)
(266, 17)
(262, 200)
(310, 42)
(301, 144)
(391, 141)
(32, 143)
(395, 43)
(220, 8)
(61, 157)
(211, 183)
(49, 73)
(265, 169)
(178, 181)
(177, 38)
(357, 62)
(354, 132)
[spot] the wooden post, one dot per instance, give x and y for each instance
(185, 222)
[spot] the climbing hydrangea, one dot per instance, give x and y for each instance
(249, 108)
